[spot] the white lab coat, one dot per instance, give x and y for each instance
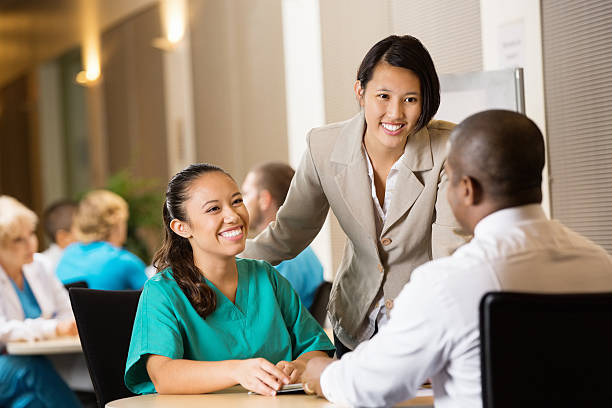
(52, 298)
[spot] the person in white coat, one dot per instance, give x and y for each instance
(494, 169)
(33, 305)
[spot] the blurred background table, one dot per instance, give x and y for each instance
(58, 345)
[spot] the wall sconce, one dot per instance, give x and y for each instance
(88, 78)
(173, 16)
(164, 44)
(90, 46)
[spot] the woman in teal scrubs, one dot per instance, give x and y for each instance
(207, 320)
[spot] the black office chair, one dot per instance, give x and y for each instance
(318, 309)
(105, 319)
(76, 284)
(543, 350)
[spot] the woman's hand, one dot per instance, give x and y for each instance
(260, 376)
(66, 328)
(293, 369)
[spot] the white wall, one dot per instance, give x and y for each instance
(512, 36)
(304, 94)
(238, 83)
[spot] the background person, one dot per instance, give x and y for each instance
(264, 190)
(381, 172)
(495, 170)
(57, 222)
(33, 305)
(100, 226)
(207, 320)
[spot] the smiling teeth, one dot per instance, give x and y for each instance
(232, 233)
(391, 127)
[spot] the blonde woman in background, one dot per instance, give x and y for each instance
(33, 305)
(100, 227)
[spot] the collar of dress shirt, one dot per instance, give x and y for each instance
(503, 219)
(389, 183)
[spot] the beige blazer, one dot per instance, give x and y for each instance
(333, 173)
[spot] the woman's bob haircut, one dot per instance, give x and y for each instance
(406, 52)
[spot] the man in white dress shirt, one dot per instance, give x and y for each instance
(494, 166)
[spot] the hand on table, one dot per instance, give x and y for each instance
(261, 376)
(293, 369)
(312, 375)
(66, 328)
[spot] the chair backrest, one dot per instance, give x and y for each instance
(318, 309)
(105, 319)
(76, 284)
(542, 350)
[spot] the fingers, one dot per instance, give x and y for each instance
(275, 372)
(293, 377)
(66, 328)
(266, 378)
(261, 388)
(289, 369)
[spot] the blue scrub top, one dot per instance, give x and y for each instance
(305, 273)
(30, 306)
(102, 266)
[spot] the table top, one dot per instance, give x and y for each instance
(237, 397)
(58, 345)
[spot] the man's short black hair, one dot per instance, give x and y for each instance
(504, 151)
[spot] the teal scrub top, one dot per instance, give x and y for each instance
(267, 320)
(31, 309)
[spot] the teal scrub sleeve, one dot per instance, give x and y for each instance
(306, 333)
(156, 331)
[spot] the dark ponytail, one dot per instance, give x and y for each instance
(176, 252)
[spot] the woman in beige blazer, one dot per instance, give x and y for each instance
(382, 174)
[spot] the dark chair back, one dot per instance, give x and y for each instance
(105, 319)
(543, 350)
(318, 309)
(76, 284)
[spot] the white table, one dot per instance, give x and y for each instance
(237, 397)
(66, 355)
(58, 345)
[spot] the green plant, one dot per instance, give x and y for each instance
(144, 198)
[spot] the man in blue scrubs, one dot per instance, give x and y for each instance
(264, 190)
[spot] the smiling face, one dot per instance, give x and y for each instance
(392, 104)
(19, 248)
(217, 220)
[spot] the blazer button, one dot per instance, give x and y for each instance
(389, 304)
(380, 268)
(386, 241)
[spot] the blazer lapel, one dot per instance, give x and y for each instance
(352, 180)
(417, 157)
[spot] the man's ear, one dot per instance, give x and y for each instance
(359, 91)
(473, 193)
(181, 228)
(265, 200)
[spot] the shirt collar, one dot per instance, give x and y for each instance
(508, 217)
(393, 169)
